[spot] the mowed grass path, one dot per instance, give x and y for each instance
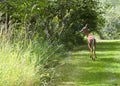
(79, 70)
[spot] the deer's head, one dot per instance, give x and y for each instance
(84, 29)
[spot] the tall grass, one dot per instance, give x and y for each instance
(27, 64)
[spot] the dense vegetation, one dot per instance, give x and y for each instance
(111, 29)
(54, 20)
(35, 33)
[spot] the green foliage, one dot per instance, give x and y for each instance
(112, 25)
(54, 20)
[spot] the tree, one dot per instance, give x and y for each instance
(112, 18)
(54, 20)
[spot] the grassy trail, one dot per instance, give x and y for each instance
(79, 70)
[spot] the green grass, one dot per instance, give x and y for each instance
(31, 64)
(79, 70)
(15, 67)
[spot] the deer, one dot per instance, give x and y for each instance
(91, 42)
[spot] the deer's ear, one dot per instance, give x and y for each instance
(86, 25)
(81, 30)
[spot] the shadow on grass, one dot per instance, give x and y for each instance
(80, 76)
(108, 46)
(100, 78)
(109, 60)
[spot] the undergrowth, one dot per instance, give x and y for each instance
(30, 63)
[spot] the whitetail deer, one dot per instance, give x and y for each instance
(91, 42)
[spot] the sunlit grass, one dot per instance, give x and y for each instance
(16, 70)
(27, 65)
(82, 71)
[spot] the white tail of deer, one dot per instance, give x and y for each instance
(91, 42)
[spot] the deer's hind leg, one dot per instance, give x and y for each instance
(94, 49)
(90, 51)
